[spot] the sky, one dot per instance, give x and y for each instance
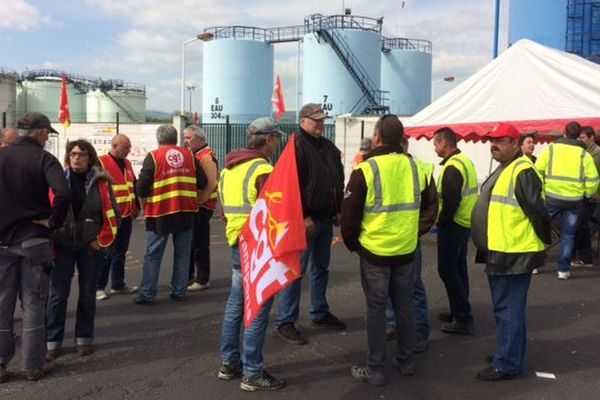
(140, 40)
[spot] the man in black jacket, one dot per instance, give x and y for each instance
(27, 171)
(511, 199)
(321, 178)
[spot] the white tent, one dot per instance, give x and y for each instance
(537, 88)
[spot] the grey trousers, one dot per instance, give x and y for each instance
(378, 283)
(24, 271)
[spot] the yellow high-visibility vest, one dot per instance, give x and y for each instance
(508, 229)
(568, 171)
(390, 225)
(237, 193)
(468, 191)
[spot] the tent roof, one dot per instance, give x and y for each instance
(537, 88)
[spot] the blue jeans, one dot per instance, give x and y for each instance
(509, 295)
(568, 229)
(88, 267)
(419, 300)
(317, 255)
(453, 241)
(114, 258)
(182, 242)
(254, 336)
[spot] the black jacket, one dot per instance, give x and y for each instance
(451, 197)
(27, 171)
(78, 232)
(320, 175)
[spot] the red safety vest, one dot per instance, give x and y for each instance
(211, 203)
(109, 220)
(174, 188)
(122, 183)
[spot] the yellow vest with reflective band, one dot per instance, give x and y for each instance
(569, 172)
(390, 224)
(237, 193)
(468, 192)
(508, 229)
(427, 168)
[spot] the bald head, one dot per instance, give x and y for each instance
(120, 147)
(8, 136)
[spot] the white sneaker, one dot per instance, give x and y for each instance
(564, 275)
(579, 263)
(196, 287)
(535, 271)
(101, 295)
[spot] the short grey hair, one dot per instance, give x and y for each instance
(166, 134)
(196, 131)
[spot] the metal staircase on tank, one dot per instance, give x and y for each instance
(371, 101)
(106, 86)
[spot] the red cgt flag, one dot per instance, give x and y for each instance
(64, 115)
(277, 99)
(195, 119)
(273, 237)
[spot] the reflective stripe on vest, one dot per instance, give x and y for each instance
(561, 180)
(468, 191)
(174, 187)
(211, 203)
(122, 183)
(391, 212)
(237, 203)
(108, 232)
(509, 230)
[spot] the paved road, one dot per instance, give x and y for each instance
(170, 351)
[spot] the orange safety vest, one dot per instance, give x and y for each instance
(211, 203)
(174, 188)
(122, 183)
(109, 220)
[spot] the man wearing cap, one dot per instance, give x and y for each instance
(26, 220)
(321, 178)
(366, 145)
(169, 185)
(510, 227)
(570, 177)
(245, 169)
(8, 136)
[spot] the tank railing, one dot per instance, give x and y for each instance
(83, 83)
(239, 32)
(420, 45)
(315, 22)
(8, 73)
(287, 34)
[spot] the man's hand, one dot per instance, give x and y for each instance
(42, 222)
(94, 245)
(309, 226)
(135, 213)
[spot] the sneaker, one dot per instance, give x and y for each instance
(330, 321)
(5, 374)
(535, 271)
(101, 295)
(84, 349)
(176, 298)
(262, 381)
(581, 263)
(53, 354)
(230, 371)
(290, 334)
(445, 317)
(197, 287)
(38, 374)
(390, 331)
(124, 290)
(493, 374)
(363, 374)
(143, 301)
(564, 275)
(458, 328)
(421, 345)
(405, 367)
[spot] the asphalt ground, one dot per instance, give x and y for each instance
(171, 350)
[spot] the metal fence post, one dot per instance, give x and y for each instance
(4, 119)
(227, 135)
(117, 122)
(362, 129)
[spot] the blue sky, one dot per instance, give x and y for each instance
(140, 40)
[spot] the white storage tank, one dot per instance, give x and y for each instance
(326, 78)
(8, 97)
(237, 75)
(128, 100)
(406, 75)
(42, 94)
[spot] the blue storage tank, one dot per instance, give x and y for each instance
(326, 79)
(543, 21)
(237, 75)
(406, 75)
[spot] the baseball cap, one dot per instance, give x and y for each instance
(312, 111)
(366, 144)
(504, 130)
(35, 120)
(264, 125)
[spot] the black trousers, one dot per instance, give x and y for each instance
(200, 259)
(583, 238)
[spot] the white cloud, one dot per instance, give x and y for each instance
(20, 15)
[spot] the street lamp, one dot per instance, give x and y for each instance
(201, 36)
(191, 89)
